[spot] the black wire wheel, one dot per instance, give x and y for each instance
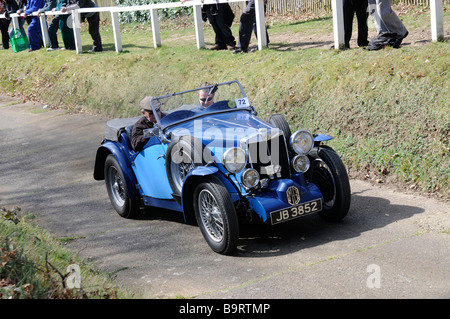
(330, 176)
(117, 189)
(216, 215)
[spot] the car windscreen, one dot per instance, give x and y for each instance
(197, 102)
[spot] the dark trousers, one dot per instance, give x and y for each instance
(66, 32)
(221, 18)
(94, 30)
(247, 24)
(52, 32)
(4, 25)
(360, 8)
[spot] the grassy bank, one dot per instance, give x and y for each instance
(35, 265)
(388, 110)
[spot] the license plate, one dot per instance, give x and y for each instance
(289, 213)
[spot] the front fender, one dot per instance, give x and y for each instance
(99, 170)
(322, 137)
(195, 177)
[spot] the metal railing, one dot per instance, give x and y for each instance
(436, 12)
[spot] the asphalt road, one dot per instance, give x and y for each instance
(391, 245)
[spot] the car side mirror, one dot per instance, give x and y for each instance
(154, 131)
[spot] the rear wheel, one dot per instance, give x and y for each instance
(330, 176)
(216, 216)
(117, 189)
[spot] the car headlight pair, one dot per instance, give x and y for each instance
(234, 160)
(301, 142)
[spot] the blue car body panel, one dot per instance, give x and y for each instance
(149, 168)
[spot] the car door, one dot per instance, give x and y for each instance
(149, 168)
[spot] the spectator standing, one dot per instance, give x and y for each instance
(20, 9)
(221, 18)
(54, 25)
(93, 19)
(34, 29)
(247, 23)
(6, 7)
(66, 32)
(390, 28)
(358, 7)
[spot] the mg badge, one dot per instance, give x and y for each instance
(293, 195)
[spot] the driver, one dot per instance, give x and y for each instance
(205, 98)
(147, 121)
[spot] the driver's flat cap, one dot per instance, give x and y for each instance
(145, 103)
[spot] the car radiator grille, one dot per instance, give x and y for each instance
(263, 154)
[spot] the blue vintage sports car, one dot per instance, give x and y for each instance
(222, 166)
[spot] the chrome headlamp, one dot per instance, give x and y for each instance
(301, 142)
(234, 159)
(300, 163)
(250, 178)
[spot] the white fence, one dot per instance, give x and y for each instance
(436, 8)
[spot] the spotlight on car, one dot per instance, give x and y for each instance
(300, 163)
(250, 178)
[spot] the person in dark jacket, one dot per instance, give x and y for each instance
(34, 29)
(93, 19)
(6, 7)
(147, 121)
(358, 7)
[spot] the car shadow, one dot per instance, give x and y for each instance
(366, 213)
(260, 240)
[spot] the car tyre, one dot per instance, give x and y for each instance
(183, 155)
(280, 122)
(216, 215)
(117, 189)
(330, 176)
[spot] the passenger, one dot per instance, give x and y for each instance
(147, 121)
(205, 98)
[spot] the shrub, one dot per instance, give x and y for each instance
(144, 16)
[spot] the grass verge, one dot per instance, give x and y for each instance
(33, 264)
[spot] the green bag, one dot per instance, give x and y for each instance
(19, 41)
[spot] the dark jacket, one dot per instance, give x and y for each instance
(9, 6)
(138, 140)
